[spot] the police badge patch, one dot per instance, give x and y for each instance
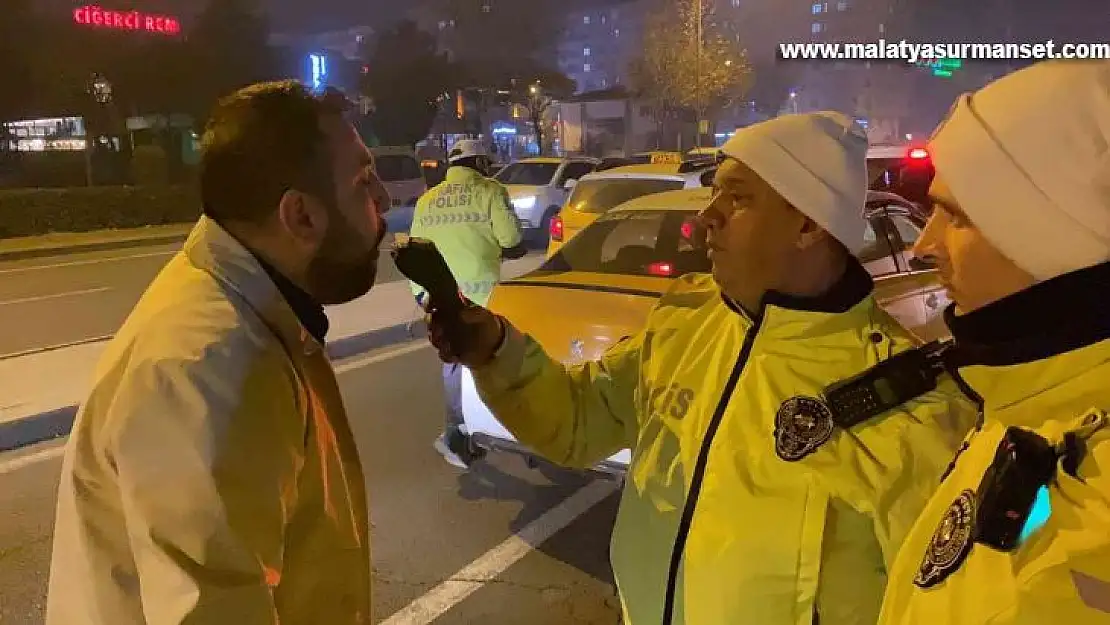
(950, 543)
(802, 424)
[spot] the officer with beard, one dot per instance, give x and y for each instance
(211, 475)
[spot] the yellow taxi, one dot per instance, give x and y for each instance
(596, 193)
(602, 284)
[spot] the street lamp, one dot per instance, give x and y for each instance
(100, 89)
(101, 92)
(697, 70)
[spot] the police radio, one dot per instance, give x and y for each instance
(887, 385)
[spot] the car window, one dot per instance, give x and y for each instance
(877, 255)
(907, 230)
(574, 171)
(598, 196)
(397, 167)
(661, 243)
(534, 174)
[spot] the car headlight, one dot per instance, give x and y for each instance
(524, 203)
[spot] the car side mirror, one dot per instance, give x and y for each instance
(919, 264)
(569, 184)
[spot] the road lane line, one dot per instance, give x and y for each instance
(401, 350)
(24, 461)
(42, 298)
(55, 347)
(439, 600)
(91, 261)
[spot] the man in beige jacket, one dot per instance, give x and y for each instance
(211, 476)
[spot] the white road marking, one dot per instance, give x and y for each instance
(400, 350)
(91, 261)
(24, 461)
(494, 562)
(42, 298)
(55, 347)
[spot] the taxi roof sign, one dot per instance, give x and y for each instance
(666, 158)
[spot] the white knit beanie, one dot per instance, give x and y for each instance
(1028, 160)
(817, 162)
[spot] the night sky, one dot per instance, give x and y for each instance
(323, 15)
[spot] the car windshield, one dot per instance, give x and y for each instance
(661, 243)
(598, 196)
(535, 174)
(396, 167)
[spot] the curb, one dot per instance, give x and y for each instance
(58, 422)
(94, 246)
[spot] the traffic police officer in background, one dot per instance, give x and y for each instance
(1019, 531)
(749, 499)
(471, 220)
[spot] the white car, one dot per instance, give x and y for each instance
(599, 192)
(539, 186)
(403, 178)
(602, 284)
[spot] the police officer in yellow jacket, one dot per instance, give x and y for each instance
(748, 501)
(1019, 531)
(470, 219)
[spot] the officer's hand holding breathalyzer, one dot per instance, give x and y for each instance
(460, 330)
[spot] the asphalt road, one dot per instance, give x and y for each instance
(54, 301)
(437, 533)
(58, 300)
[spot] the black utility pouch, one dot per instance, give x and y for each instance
(1024, 462)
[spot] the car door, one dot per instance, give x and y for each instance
(918, 275)
(881, 259)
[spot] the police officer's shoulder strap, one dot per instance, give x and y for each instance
(887, 385)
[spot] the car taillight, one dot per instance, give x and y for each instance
(687, 230)
(918, 154)
(556, 228)
(661, 269)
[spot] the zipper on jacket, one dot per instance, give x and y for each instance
(679, 548)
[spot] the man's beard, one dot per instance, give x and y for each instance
(343, 272)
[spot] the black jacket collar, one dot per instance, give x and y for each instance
(851, 289)
(1053, 317)
(309, 313)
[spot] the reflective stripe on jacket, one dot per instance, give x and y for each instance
(696, 395)
(211, 477)
(1060, 573)
(470, 219)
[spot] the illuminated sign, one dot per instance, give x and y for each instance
(317, 71)
(97, 17)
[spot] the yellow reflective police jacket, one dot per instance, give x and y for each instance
(1052, 378)
(715, 526)
(470, 220)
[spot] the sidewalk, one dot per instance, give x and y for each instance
(39, 392)
(58, 243)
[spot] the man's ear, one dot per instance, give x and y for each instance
(811, 234)
(302, 217)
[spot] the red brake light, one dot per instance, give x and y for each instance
(556, 228)
(918, 154)
(661, 269)
(687, 230)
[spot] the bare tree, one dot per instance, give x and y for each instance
(689, 61)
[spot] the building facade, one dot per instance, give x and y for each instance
(599, 41)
